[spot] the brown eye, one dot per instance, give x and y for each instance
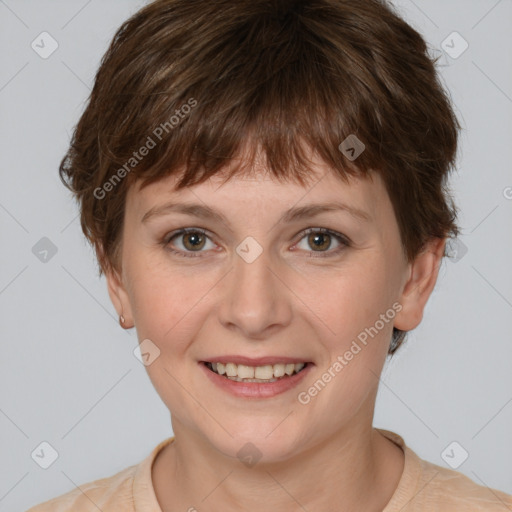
(188, 242)
(320, 241)
(193, 241)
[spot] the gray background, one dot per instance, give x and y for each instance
(68, 372)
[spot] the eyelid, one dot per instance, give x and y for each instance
(169, 236)
(183, 231)
(343, 240)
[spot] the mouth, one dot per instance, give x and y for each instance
(258, 374)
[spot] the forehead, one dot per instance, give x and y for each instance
(260, 191)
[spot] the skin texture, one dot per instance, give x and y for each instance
(290, 301)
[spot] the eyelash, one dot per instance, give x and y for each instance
(344, 241)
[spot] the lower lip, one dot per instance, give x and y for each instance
(256, 389)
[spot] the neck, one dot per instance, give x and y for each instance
(356, 468)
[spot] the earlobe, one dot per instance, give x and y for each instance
(423, 272)
(119, 298)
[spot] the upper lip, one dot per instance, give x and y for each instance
(256, 361)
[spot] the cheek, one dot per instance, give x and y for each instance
(168, 310)
(352, 309)
(351, 300)
(168, 302)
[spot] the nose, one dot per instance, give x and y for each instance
(255, 301)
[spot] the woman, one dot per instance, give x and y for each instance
(264, 185)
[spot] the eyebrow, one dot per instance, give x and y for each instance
(293, 214)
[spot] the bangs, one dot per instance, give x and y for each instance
(262, 86)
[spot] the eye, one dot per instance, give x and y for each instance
(194, 240)
(191, 240)
(321, 240)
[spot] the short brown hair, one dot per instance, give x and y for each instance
(280, 76)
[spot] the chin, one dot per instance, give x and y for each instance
(257, 441)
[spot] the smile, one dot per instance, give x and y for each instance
(264, 373)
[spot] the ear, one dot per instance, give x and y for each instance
(423, 272)
(119, 297)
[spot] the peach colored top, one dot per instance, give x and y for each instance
(423, 487)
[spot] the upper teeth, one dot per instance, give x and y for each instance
(264, 372)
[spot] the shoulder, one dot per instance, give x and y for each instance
(451, 490)
(425, 486)
(113, 491)
(129, 490)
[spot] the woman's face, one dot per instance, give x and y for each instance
(250, 284)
